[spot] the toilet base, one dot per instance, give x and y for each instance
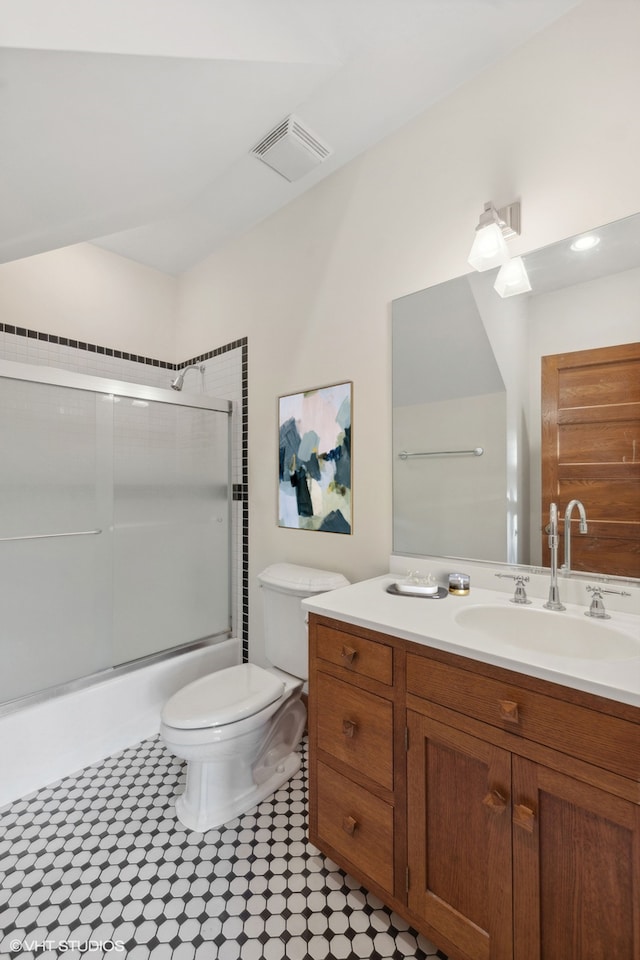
(218, 814)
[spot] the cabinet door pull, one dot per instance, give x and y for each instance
(349, 727)
(524, 817)
(495, 801)
(349, 654)
(509, 711)
(349, 825)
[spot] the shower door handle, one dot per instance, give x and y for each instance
(51, 536)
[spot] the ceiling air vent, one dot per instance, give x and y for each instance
(291, 150)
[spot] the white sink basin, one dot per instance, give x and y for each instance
(550, 632)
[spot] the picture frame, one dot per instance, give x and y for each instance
(314, 463)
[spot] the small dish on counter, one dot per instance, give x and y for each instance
(430, 591)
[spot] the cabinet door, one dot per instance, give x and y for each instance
(460, 838)
(576, 868)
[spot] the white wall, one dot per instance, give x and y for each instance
(86, 293)
(311, 287)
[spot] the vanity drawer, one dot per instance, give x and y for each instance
(356, 824)
(356, 727)
(590, 735)
(359, 655)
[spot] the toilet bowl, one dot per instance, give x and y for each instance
(239, 729)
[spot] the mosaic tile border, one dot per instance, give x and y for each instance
(84, 345)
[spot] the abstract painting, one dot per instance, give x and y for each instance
(315, 459)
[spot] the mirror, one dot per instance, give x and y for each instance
(466, 388)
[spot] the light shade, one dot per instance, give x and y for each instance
(512, 278)
(489, 248)
(494, 228)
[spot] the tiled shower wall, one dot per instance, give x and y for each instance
(225, 377)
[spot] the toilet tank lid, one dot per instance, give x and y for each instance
(292, 578)
(222, 697)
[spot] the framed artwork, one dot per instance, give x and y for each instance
(315, 459)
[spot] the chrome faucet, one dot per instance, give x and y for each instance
(566, 566)
(553, 603)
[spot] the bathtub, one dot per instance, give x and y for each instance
(43, 742)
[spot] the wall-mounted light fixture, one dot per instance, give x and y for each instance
(494, 228)
(489, 249)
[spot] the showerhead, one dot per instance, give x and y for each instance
(179, 380)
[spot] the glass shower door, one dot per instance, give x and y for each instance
(171, 526)
(55, 568)
(114, 525)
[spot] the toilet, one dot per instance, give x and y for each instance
(238, 728)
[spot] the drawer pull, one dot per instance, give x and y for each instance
(509, 711)
(349, 727)
(349, 825)
(524, 817)
(349, 654)
(495, 801)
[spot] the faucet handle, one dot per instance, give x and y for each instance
(520, 595)
(596, 608)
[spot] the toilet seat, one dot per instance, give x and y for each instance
(222, 698)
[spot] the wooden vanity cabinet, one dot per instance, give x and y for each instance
(511, 780)
(356, 753)
(513, 813)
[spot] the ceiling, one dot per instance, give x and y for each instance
(129, 123)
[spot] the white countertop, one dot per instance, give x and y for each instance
(432, 622)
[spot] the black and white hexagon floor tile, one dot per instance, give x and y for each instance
(97, 865)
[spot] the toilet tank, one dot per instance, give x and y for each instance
(284, 585)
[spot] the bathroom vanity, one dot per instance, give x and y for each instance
(486, 792)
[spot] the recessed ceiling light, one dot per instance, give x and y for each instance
(587, 242)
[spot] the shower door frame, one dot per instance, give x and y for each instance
(51, 376)
(12, 370)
